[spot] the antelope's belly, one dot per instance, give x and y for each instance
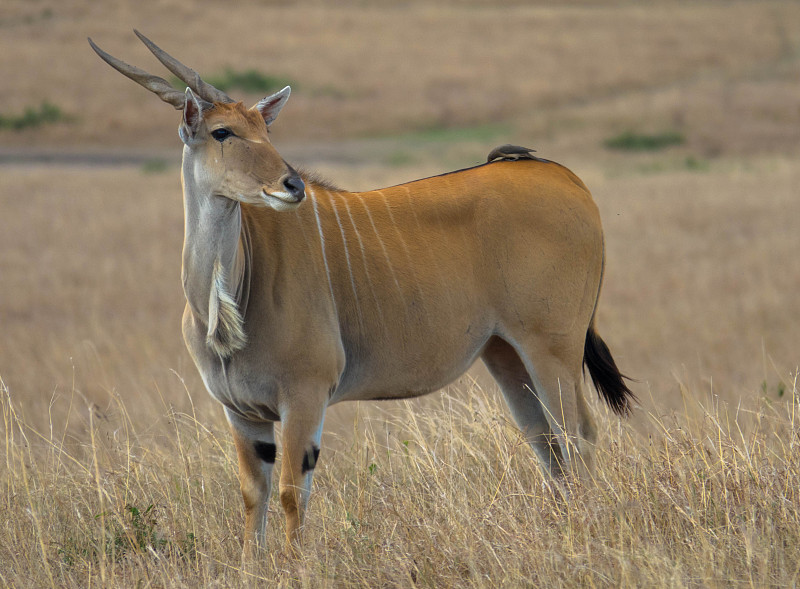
(410, 363)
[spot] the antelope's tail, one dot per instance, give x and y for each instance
(607, 379)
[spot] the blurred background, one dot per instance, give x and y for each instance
(683, 118)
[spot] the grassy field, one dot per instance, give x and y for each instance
(119, 470)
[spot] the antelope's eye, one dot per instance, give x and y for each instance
(221, 134)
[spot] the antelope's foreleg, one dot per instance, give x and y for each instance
(300, 439)
(256, 450)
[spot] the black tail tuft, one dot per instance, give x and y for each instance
(607, 378)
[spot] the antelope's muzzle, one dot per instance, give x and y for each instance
(295, 187)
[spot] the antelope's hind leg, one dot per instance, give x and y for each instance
(256, 451)
(508, 370)
(555, 368)
(543, 392)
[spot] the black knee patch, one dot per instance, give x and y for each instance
(310, 459)
(266, 451)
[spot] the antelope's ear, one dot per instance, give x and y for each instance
(192, 116)
(270, 106)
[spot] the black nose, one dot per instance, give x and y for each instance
(296, 187)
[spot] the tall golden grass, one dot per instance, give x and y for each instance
(449, 495)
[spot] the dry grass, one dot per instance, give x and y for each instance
(448, 496)
(104, 416)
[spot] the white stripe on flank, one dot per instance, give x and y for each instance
(408, 256)
(453, 194)
(310, 242)
(411, 207)
(364, 259)
(397, 229)
(433, 258)
(383, 248)
(349, 265)
(322, 243)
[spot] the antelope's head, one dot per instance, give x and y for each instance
(227, 149)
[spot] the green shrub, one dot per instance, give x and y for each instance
(33, 117)
(632, 141)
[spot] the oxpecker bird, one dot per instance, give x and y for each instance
(511, 153)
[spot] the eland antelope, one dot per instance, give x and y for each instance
(300, 295)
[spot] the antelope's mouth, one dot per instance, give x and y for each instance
(286, 197)
(282, 199)
(292, 195)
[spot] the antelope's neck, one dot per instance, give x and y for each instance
(216, 253)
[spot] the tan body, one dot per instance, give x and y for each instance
(420, 279)
(300, 295)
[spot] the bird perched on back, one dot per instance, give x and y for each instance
(510, 152)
